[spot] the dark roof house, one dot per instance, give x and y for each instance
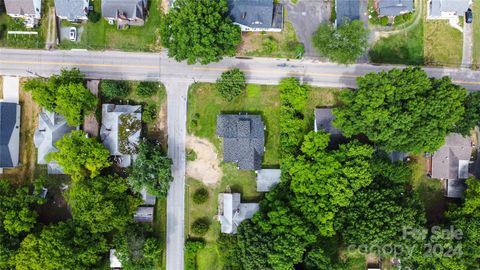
(9, 134)
(394, 7)
(72, 10)
(125, 12)
(346, 9)
(243, 139)
(324, 121)
(256, 15)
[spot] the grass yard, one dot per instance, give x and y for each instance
(282, 45)
(476, 34)
(443, 44)
(102, 36)
(402, 48)
(160, 228)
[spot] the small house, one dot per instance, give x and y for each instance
(9, 134)
(256, 15)
(392, 8)
(147, 198)
(243, 139)
(144, 214)
(51, 128)
(267, 179)
(446, 9)
(125, 12)
(28, 10)
(72, 10)
(231, 212)
(346, 10)
(120, 131)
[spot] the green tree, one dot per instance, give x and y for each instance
(60, 246)
(151, 170)
(74, 101)
(80, 156)
(102, 204)
(325, 181)
(471, 117)
(191, 249)
(200, 196)
(149, 113)
(231, 84)
(199, 31)
(64, 94)
(343, 44)
(402, 110)
(200, 226)
(114, 89)
(148, 89)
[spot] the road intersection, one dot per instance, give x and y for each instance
(177, 77)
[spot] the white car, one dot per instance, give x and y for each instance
(73, 34)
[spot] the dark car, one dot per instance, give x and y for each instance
(469, 16)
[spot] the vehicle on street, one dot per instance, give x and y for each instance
(73, 34)
(469, 16)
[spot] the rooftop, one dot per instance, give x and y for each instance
(394, 7)
(9, 134)
(243, 139)
(347, 9)
(72, 10)
(437, 7)
(144, 214)
(231, 212)
(451, 160)
(324, 121)
(128, 9)
(256, 13)
(456, 188)
(21, 7)
(267, 179)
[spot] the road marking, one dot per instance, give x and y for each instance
(77, 64)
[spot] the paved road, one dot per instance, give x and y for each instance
(177, 118)
(148, 66)
(467, 45)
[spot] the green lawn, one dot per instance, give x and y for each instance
(160, 228)
(443, 44)
(102, 36)
(402, 48)
(476, 35)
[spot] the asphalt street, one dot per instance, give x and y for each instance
(177, 77)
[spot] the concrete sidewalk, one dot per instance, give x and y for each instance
(11, 87)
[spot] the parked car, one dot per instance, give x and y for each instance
(73, 34)
(469, 16)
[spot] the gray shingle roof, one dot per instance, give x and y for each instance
(438, 6)
(243, 139)
(449, 161)
(267, 179)
(21, 7)
(9, 134)
(456, 188)
(71, 9)
(347, 9)
(394, 7)
(324, 121)
(130, 8)
(256, 13)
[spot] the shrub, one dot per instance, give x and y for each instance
(191, 155)
(200, 196)
(147, 89)
(231, 84)
(149, 113)
(191, 248)
(94, 16)
(200, 226)
(114, 89)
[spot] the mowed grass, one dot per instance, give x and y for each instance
(103, 36)
(402, 48)
(160, 229)
(476, 34)
(443, 44)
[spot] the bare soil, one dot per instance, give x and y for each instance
(206, 167)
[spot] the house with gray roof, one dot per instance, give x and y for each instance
(267, 179)
(451, 163)
(346, 10)
(28, 10)
(393, 8)
(447, 9)
(243, 139)
(147, 198)
(231, 212)
(125, 12)
(72, 10)
(51, 128)
(256, 15)
(9, 134)
(120, 131)
(144, 214)
(324, 121)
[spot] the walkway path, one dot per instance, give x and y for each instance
(467, 45)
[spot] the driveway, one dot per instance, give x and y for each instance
(467, 45)
(65, 33)
(10, 89)
(306, 16)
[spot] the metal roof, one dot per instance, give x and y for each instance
(436, 7)
(9, 134)
(243, 139)
(232, 212)
(71, 9)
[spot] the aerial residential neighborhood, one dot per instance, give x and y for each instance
(240, 134)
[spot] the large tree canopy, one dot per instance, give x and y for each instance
(472, 114)
(80, 156)
(199, 31)
(65, 94)
(343, 44)
(325, 181)
(402, 110)
(151, 170)
(231, 84)
(102, 204)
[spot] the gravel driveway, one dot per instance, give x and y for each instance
(305, 16)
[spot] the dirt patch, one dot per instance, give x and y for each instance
(206, 166)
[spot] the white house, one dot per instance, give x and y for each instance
(29, 10)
